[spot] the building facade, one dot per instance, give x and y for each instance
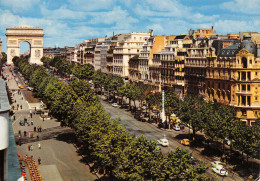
(139, 64)
(128, 45)
(232, 78)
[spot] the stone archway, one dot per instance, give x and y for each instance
(32, 35)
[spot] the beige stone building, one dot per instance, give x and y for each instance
(86, 50)
(233, 77)
(168, 65)
(195, 65)
(139, 64)
(128, 45)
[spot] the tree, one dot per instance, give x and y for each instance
(83, 91)
(140, 160)
(171, 102)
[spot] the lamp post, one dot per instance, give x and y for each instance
(163, 109)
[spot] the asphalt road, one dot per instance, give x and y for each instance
(152, 132)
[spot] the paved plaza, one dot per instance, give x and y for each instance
(59, 158)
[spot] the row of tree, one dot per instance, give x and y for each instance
(217, 121)
(102, 140)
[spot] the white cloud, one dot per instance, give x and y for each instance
(19, 5)
(170, 8)
(62, 13)
(236, 26)
(92, 5)
(242, 6)
(117, 15)
(156, 28)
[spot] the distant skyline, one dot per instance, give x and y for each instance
(69, 22)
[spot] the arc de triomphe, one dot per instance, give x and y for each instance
(32, 35)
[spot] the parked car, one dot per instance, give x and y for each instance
(220, 170)
(115, 105)
(207, 142)
(163, 142)
(216, 163)
(176, 127)
(185, 142)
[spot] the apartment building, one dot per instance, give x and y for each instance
(195, 64)
(100, 56)
(233, 77)
(155, 72)
(139, 64)
(128, 45)
(86, 50)
(70, 54)
(171, 61)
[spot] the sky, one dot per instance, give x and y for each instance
(69, 22)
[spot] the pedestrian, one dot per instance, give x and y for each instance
(14, 117)
(31, 122)
(28, 115)
(24, 133)
(29, 148)
(40, 129)
(21, 107)
(43, 119)
(32, 147)
(39, 160)
(31, 115)
(39, 145)
(34, 128)
(37, 135)
(19, 132)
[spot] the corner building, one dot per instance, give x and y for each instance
(233, 77)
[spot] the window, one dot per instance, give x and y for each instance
(249, 100)
(243, 87)
(255, 73)
(248, 75)
(243, 112)
(244, 76)
(256, 98)
(248, 87)
(243, 99)
(244, 62)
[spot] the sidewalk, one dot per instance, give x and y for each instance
(54, 153)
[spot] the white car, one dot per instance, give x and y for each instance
(163, 142)
(216, 164)
(220, 170)
(176, 128)
(115, 105)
